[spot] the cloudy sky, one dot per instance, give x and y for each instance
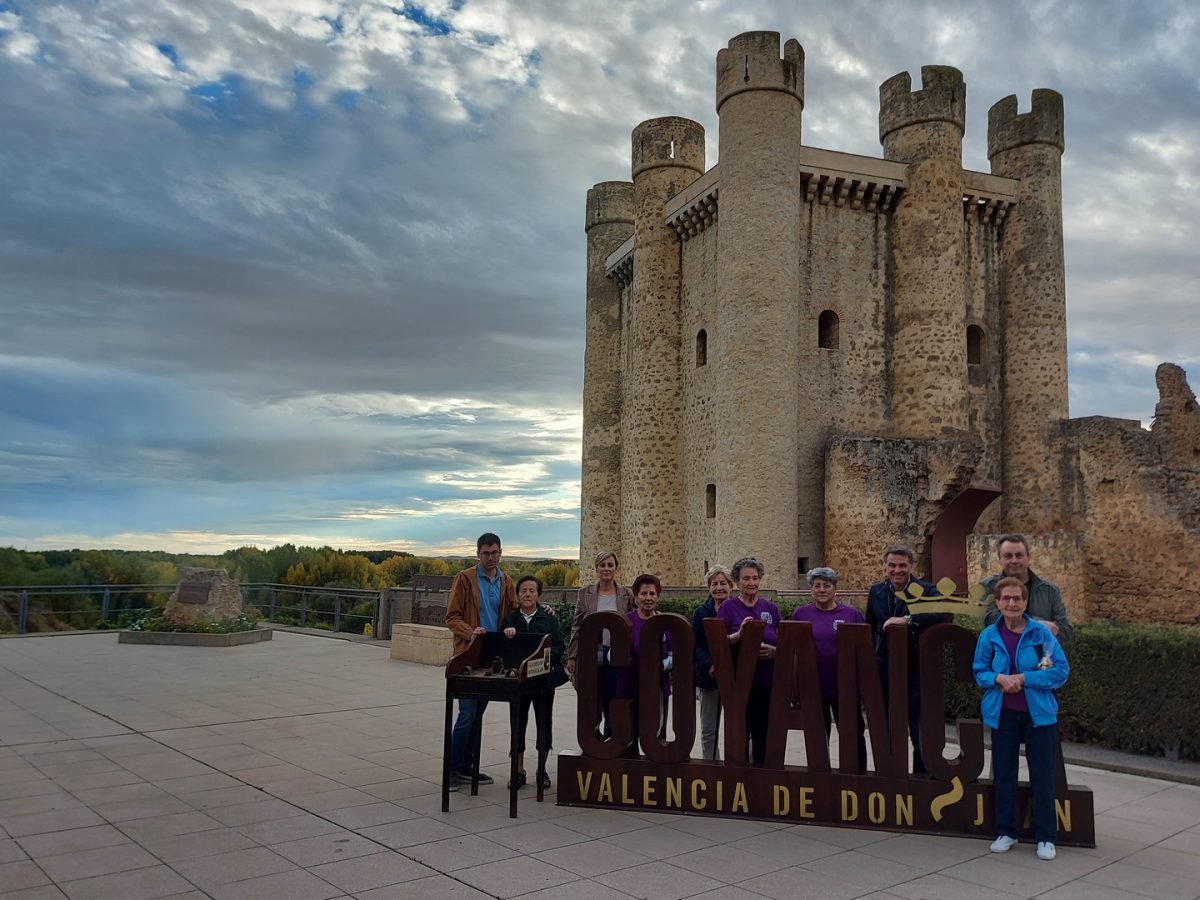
(304, 270)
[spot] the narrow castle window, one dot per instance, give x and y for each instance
(701, 348)
(828, 337)
(975, 355)
(710, 502)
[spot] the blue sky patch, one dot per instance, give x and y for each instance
(432, 24)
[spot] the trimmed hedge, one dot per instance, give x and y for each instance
(1133, 688)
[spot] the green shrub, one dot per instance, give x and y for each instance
(156, 621)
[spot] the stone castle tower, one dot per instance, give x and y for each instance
(805, 355)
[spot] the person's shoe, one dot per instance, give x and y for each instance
(453, 785)
(1004, 843)
(484, 777)
(546, 781)
(520, 781)
(1046, 850)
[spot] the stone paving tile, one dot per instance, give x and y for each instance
(728, 864)
(278, 831)
(313, 851)
(72, 841)
(658, 881)
(140, 884)
(370, 814)
(30, 786)
(460, 853)
(943, 887)
(293, 885)
(101, 861)
(168, 826)
(533, 837)
(436, 887)
(249, 813)
(11, 851)
(58, 820)
(41, 803)
(590, 858)
(729, 892)
(1079, 890)
(152, 807)
(201, 843)
(340, 798)
(97, 780)
(801, 883)
(925, 851)
(99, 796)
(368, 872)
(1146, 882)
(585, 889)
(45, 892)
(194, 784)
(658, 841)
(1162, 859)
(207, 871)
(513, 877)
(870, 873)
(599, 823)
(1019, 872)
(22, 874)
(411, 833)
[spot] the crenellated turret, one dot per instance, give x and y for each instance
(608, 222)
(668, 154)
(760, 391)
(1028, 147)
(924, 129)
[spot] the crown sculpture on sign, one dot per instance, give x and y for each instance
(944, 601)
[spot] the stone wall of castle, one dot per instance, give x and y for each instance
(813, 354)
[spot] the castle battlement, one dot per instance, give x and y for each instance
(1043, 124)
(942, 98)
(671, 141)
(752, 62)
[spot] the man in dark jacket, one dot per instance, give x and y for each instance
(885, 609)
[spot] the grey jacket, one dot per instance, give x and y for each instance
(1045, 603)
(585, 605)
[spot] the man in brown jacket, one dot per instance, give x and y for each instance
(480, 598)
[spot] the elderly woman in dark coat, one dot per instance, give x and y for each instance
(720, 586)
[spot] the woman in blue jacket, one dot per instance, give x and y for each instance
(1020, 664)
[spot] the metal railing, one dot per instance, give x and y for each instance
(26, 609)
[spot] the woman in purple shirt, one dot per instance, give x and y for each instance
(736, 612)
(826, 614)
(646, 591)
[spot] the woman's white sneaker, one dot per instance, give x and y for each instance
(1004, 843)
(1045, 850)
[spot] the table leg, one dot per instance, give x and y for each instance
(446, 751)
(514, 728)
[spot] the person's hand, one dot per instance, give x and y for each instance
(570, 667)
(747, 619)
(1051, 625)
(712, 670)
(766, 651)
(895, 620)
(510, 632)
(479, 630)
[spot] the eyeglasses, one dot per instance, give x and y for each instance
(483, 553)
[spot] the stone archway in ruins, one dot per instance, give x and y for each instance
(948, 547)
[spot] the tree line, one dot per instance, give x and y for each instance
(285, 564)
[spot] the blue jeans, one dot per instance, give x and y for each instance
(1041, 745)
(460, 737)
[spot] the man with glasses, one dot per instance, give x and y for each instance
(480, 598)
(1045, 599)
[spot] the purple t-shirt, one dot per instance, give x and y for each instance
(627, 676)
(1017, 701)
(824, 629)
(732, 612)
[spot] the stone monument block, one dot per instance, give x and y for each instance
(204, 594)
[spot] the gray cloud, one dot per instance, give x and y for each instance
(290, 223)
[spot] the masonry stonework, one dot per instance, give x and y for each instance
(805, 355)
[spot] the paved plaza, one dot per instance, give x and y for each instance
(307, 768)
